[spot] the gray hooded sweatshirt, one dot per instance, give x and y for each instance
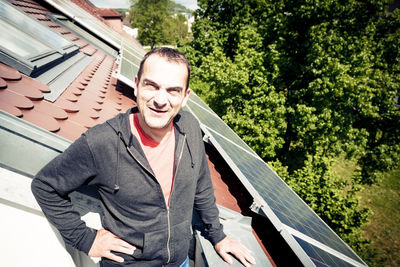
(111, 158)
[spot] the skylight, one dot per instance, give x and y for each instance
(30, 46)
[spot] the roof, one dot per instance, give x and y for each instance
(109, 13)
(49, 97)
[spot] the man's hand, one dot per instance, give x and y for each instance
(105, 242)
(229, 245)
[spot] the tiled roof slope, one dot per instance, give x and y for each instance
(88, 7)
(109, 13)
(91, 99)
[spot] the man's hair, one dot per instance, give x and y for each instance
(171, 55)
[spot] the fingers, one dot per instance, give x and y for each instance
(225, 257)
(123, 247)
(244, 256)
(113, 257)
(229, 245)
(106, 242)
(246, 260)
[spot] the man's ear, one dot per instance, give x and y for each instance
(136, 86)
(186, 97)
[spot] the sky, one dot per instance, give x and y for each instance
(192, 4)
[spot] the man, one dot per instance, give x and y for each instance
(150, 169)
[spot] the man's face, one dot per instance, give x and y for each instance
(160, 93)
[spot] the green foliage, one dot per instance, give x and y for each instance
(156, 23)
(303, 82)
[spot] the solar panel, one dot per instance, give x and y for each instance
(279, 201)
(127, 72)
(129, 63)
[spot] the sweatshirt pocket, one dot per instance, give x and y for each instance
(154, 246)
(158, 244)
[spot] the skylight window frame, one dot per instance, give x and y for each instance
(36, 63)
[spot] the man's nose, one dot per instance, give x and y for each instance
(160, 98)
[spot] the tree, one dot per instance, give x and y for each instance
(156, 23)
(303, 82)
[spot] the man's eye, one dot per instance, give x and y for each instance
(149, 85)
(174, 91)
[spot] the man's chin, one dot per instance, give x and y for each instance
(157, 125)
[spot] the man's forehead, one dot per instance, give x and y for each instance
(152, 59)
(157, 67)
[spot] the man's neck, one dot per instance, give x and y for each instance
(156, 134)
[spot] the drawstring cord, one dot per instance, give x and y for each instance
(190, 153)
(116, 186)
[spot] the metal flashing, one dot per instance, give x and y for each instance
(26, 148)
(61, 76)
(236, 226)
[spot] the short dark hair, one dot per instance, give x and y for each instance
(169, 54)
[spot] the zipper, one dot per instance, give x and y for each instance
(169, 236)
(169, 200)
(173, 186)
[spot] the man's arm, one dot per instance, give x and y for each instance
(205, 205)
(55, 181)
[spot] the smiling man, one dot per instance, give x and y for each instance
(150, 169)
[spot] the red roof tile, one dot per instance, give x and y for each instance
(15, 99)
(25, 88)
(41, 119)
(50, 109)
(70, 130)
(36, 84)
(3, 83)
(66, 105)
(10, 108)
(9, 73)
(89, 50)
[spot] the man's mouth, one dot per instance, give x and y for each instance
(160, 111)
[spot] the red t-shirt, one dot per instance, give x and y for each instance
(159, 155)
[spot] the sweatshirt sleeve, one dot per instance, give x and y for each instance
(55, 181)
(205, 202)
